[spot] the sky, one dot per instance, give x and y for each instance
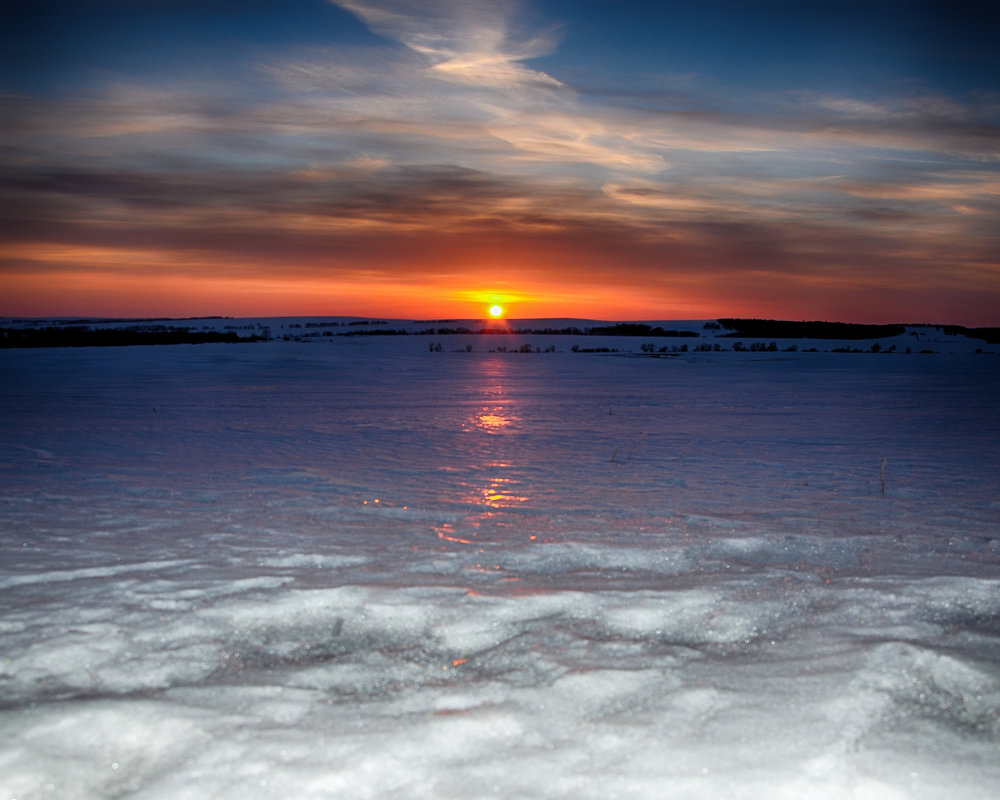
(428, 158)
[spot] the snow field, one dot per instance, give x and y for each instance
(584, 577)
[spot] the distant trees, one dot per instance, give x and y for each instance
(756, 347)
(637, 329)
(80, 336)
(782, 329)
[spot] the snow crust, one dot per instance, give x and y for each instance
(358, 569)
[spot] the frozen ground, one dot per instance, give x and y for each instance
(356, 568)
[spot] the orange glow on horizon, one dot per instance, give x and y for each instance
(73, 292)
(65, 281)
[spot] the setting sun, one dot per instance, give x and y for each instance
(496, 311)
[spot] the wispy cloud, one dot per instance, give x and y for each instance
(467, 41)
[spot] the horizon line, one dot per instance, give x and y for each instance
(85, 318)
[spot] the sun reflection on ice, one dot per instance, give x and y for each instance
(491, 421)
(501, 493)
(492, 484)
(494, 415)
(489, 501)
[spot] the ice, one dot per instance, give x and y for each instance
(356, 568)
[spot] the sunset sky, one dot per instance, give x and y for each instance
(427, 158)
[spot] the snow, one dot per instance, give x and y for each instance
(351, 567)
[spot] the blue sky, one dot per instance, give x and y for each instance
(419, 158)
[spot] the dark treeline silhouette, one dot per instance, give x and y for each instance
(379, 332)
(989, 335)
(77, 336)
(781, 329)
(637, 329)
(63, 322)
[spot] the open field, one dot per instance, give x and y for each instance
(361, 566)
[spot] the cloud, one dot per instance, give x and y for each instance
(467, 41)
(441, 156)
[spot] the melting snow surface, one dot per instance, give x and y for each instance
(359, 569)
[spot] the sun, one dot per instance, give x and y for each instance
(496, 311)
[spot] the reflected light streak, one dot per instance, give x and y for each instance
(494, 415)
(499, 495)
(444, 533)
(500, 488)
(492, 422)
